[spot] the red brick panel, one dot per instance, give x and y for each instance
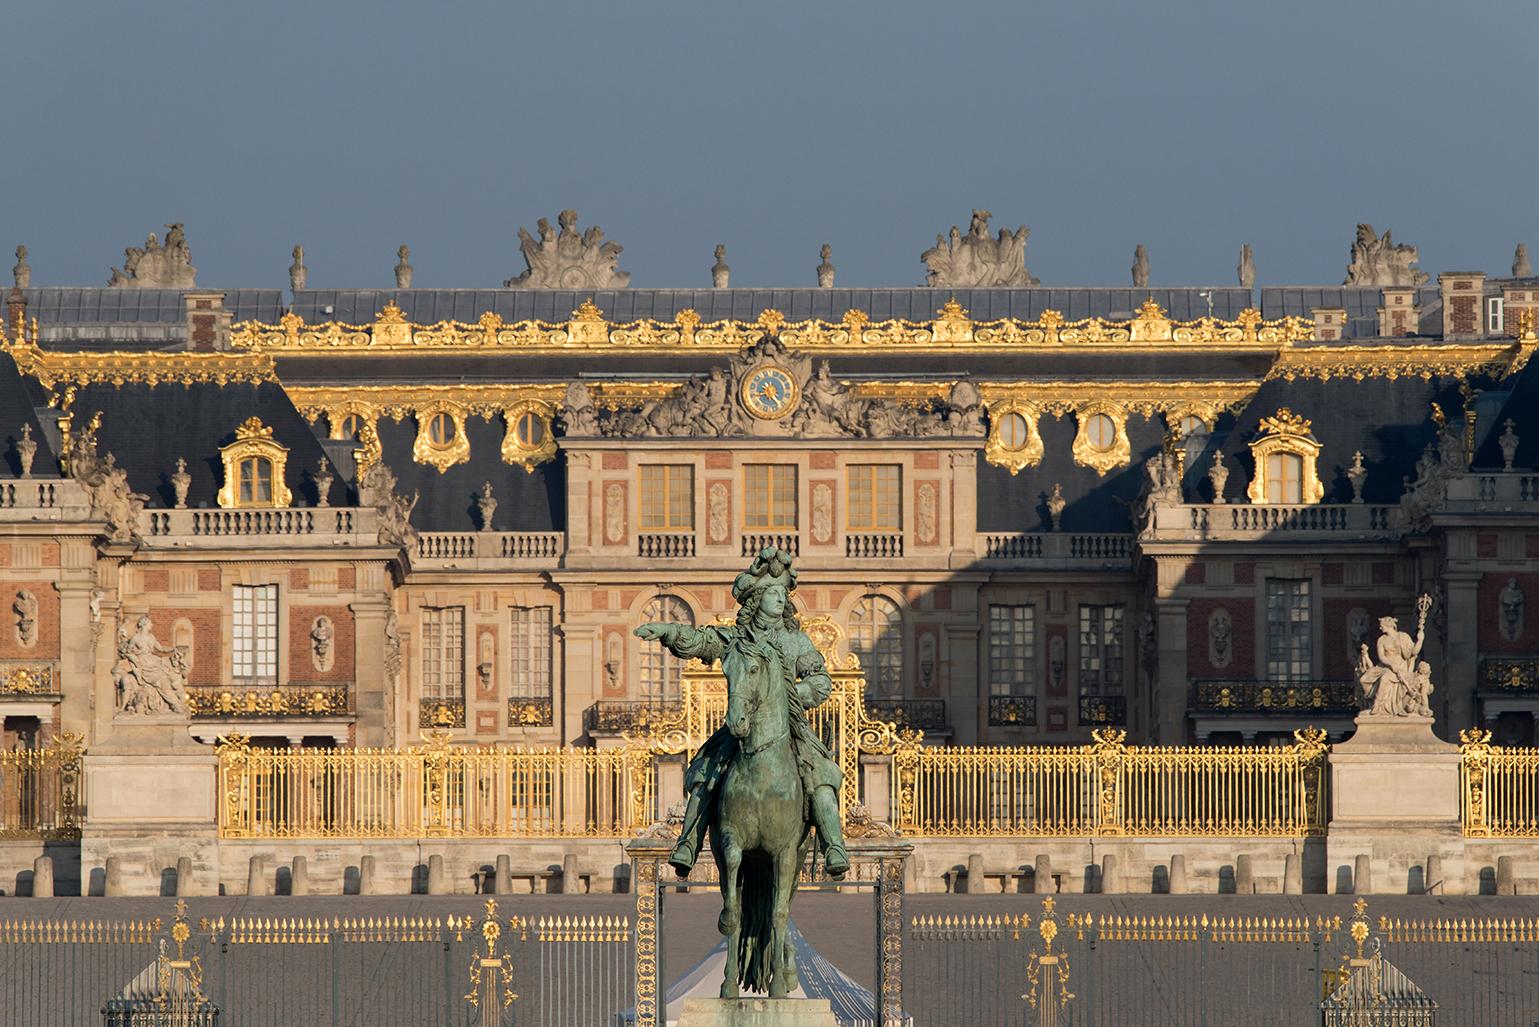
(1196, 573)
(614, 461)
(1485, 546)
(157, 580)
(300, 665)
(1383, 574)
(1338, 662)
(1331, 573)
(46, 645)
(1244, 573)
(715, 461)
(208, 579)
(1242, 639)
(822, 460)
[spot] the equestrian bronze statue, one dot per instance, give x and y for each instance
(764, 780)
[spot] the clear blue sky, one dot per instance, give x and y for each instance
(355, 126)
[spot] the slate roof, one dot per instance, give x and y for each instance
(148, 427)
(59, 306)
(19, 398)
(1521, 406)
(1361, 304)
(425, 306)
(526, 500)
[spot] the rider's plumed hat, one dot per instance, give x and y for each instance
(771, 567)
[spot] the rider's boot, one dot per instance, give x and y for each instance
(691, 836)
(825, 814)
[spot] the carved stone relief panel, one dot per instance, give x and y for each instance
(1357, 634)
(927, 677)
(927, 512)
(1510, 617)
(322, 647)
(486, 666)
(1220, 639)
(612, 673)
(1057, 661)
(614, 512)
(718, 512)
(25, 610)
(822, 512)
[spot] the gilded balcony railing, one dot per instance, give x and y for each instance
(1228, 696)
(436, 789)
(40, 790)
(27, 679)
(1510, 674)
(1112, 789)
(295, 700)
(921, 714)
(628, 716)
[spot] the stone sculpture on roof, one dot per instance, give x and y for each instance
(21, 273)
(1140, 267)
(403, 268)
(1521, 268)
(825, 271)
(976, 261)
(1246, 269)
(157, 265)
(1380, 261)
(567, 259)
(721, 272)
(376, 488)
(106, 485)
(298, 273)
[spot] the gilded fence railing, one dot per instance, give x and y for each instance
(436, 789)
(40, 790)
(1499, 788)
(1110, 788)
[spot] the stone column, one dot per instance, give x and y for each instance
(78, 656)
(579, 484)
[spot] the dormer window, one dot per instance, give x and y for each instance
(253, 469)
(441, 440)
(1286, 455)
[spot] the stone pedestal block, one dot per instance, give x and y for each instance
(1394, 800)
(148, 810)
(757, 1012)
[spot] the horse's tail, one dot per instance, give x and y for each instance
(756, 892)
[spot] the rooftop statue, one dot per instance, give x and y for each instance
(1400, 684)
(1246, 269)
(1380, 261)
(975, 261)
(1140, 267)
(567, 260)
(21, 273)
(765, 779)
(1521, 268)
(157, 265)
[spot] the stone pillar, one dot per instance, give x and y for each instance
(1244, 875)
(368, 883)
(1434, 876)
(184, 877)
(299, 876)
(140, 803)
(1395, 797)
(371, 690)
(1111, 875)
(502, 880)
(1172, 679)
(1042, 875)
(112, 872)
(1178, 884)
(876, 786)
(965, 701)
(1293, 874)
(1462, 663)
(1506, 876)
(975, 875)
(77, 655)
(571, 878)
(579, 516)
(1463, 304)
(42, 877)
(437, 884)
(256, 877)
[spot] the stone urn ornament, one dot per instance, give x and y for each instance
(1509, 444)
(26, 450)
(181, 481)
(1356, 475)
(323, 480)
(487, 505)
(1218, 476)
(1055, 506)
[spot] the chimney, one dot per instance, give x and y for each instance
(1463, 298)
(208, 323)
(15, 313)
(1516, 301)
(1399, 315)
(1330, 323)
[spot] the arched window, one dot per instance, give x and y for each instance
(1013, 431)
(876, 637)
(256, 481)
(1284, 478)
(529, 430)
(660, 669)
(350, 428)
(441, 430)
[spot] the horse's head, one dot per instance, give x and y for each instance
(738, 709)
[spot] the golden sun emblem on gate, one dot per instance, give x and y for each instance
(770, 392)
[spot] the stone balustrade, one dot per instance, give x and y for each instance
(668, 545)
(1055, 550)
(878, 545)
(1493, 492)
(489, 548)
(1304, 522)
(274, 526)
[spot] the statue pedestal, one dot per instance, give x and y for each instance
(147, 810)
(757, 1012)
(1394, 794)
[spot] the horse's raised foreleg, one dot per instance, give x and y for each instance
(782, 960)
(730, 922)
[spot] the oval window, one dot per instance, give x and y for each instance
(1101, 431)
(350, 428)
(1013, 431)
(441, 430)
(529, 430)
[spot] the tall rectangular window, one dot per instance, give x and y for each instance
(1100, 650)
(443, 652)
(256, 633)
(1285, 478)
(1289, 633)
(531, 652)
(769, 496)
(667, 497)
(1012, 650)
(875, 501)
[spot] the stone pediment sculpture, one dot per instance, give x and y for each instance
(767, 389)
(1399, 684)
(150, 678)
(106, 485)
(976, 261)
(157, 265)
(1380, 261)
(376, 488)
(565, 259)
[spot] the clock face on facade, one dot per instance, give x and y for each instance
(770, 392)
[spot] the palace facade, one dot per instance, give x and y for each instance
(343, 517)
